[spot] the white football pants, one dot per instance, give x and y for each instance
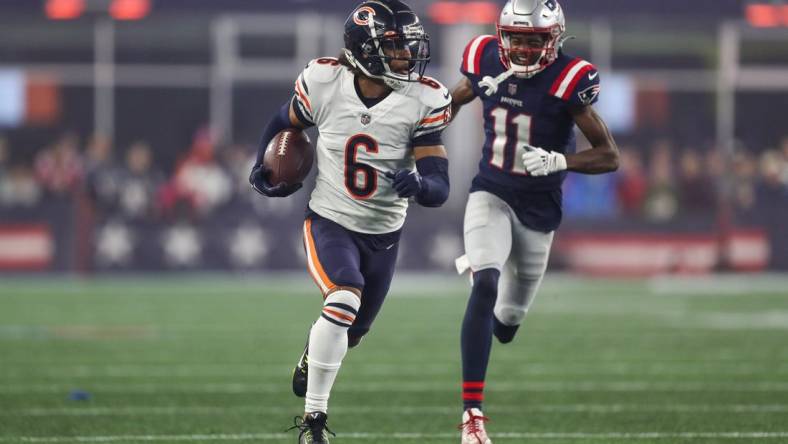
(495, 238)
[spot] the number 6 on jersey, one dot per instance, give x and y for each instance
(361, 180)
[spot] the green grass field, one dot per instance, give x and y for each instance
(208, 359)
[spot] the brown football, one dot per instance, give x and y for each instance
(289, 157)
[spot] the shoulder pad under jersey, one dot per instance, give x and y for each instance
(307, 88)
(472, 56)
(432, 93)
(322, 70)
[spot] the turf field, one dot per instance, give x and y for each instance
(208, 359)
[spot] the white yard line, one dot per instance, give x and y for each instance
(405, 410)
(377, 387)
(401, 436)
(721, 284)
(189, 369)
(231, 372)
(406, 283)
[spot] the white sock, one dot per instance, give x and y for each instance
(327, 347)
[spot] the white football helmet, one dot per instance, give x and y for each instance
(526, 18)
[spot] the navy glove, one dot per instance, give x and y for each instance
(259, 181)
(407, 183)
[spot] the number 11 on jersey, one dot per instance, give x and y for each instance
(501, 120)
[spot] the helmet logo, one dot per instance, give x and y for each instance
(363, 16)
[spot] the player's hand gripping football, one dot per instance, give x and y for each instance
(407, 183)
(540, 162)
(259, 181)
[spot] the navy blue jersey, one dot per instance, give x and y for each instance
(531, 111)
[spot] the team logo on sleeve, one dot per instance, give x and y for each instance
(588, 95)
(363, 16)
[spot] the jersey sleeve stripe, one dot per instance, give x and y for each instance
(572, 76)
(474, 54)
(303, 99)
(303, 83)
(301, 112)
(583, 71)
(433, 122)
(480, 51)
(563, 75)
(303, 107)
(440, 110)
(430, 129)
(477, 58)
(437, 118)
(465, 57)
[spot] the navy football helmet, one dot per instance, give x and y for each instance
(379, 32)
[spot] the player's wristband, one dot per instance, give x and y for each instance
(434, 173)
(280, 121)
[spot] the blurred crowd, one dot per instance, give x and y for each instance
(127, 183)
(662, 182)
(656, 183)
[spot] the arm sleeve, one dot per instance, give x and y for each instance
(279, 122)
(434, 173)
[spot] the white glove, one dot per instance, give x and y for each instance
(539, 162)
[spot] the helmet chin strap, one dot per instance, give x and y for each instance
(352, 61)
(391, 82)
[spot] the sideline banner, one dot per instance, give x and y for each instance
(25, 247)
(645, 254)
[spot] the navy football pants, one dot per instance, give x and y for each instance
(338, 257)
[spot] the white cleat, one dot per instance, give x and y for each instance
(473, 427)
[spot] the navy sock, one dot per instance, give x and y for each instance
(477, 331)
(504, 333)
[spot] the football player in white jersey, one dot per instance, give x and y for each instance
(380, 122)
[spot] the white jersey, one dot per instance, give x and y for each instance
(357, 145)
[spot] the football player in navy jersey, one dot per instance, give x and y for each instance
(533, 95)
